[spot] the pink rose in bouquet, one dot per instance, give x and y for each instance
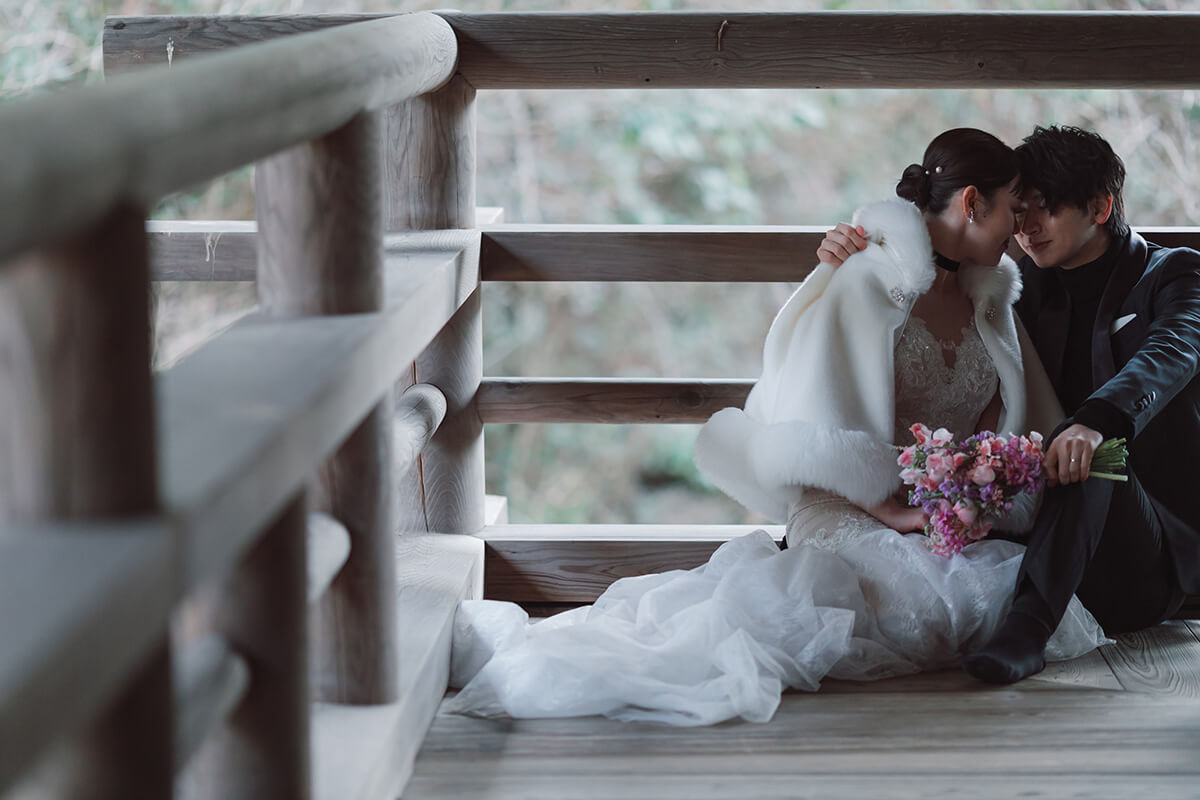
(966, 486)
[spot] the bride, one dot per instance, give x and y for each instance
(916, 328)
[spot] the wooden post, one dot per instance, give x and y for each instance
(431, 185)
(321, 252)
(77, 441)
(262, 750)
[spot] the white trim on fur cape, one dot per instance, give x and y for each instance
(823, 412)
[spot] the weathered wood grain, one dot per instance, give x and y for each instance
(319, 214)
(82, 607)
(576, 563)
(990, 742)
(367, 751)
(648, 253)
(590, 50)
(262, 749)
(607, 400)
(77, 440)
(75, 153)
(320, 252)
(1164, 659)
(1089, 671)
(187, 251)
(248, 416)
(716, 785)
(210, 681)
(420, 409)
(430, 185)
(131, 42)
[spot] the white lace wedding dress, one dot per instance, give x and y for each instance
(849, 599)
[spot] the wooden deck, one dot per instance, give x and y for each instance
(1120, 722)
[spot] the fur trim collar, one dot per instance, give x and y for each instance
(898, 229)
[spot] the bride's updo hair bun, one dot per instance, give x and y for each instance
(956, 159)
(915, 185)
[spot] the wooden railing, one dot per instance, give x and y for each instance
(189, 499)
(166, 535)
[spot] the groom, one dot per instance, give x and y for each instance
(1116, 321)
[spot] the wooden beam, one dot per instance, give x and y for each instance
(807, 50)
(576, 563)
(188, 251)
(367, 752)
(77, 441)
(142, 136)
(430, 185)
(262, 749)
(319, 211)
(648, 253)
(132, 42)
(224, 250)
(247, 417)
(82, 606)
(606, 400)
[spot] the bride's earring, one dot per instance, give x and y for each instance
(971, 215)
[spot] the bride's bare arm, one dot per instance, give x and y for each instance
(990, 417)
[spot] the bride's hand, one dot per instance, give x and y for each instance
(904, 519)
(841, 243)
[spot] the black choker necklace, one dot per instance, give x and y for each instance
(944, 263)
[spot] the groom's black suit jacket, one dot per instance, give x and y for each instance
(1146, 371)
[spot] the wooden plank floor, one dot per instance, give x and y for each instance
(1120, 722)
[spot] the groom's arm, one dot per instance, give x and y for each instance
(1168, 358)
(841, 242)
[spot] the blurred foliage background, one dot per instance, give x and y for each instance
(656, 156)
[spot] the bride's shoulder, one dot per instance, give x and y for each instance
(898, 249)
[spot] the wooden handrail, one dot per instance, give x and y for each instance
(223, 250)
(820, 49)
(607, 400)
(72, 154)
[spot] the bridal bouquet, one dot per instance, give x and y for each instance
(966, 486)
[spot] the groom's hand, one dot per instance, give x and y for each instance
(1069, 458)
(841, 243)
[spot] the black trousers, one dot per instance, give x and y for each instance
(1103, 541)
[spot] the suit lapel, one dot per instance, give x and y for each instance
(1131, 264)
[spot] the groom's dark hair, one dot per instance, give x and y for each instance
(1072, 167)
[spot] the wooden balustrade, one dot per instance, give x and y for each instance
(244, 422)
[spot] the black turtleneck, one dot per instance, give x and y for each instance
(1084, 286)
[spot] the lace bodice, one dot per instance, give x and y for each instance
(937, 393)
